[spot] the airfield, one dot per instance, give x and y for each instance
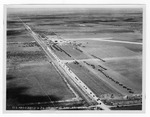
(104, 56)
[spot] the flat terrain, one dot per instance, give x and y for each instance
(110, 69)
(123, 61)
(93, 82)
(31, 79)
(118, 75)
(129, 68)
(28, 81)
(108, 49)
(69, 52)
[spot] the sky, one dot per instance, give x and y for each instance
(58, 9)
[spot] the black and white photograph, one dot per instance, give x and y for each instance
(74, 57)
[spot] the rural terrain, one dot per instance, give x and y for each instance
(74, 59)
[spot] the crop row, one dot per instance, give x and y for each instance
(26, 56)
(110, 78)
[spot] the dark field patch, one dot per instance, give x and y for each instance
(14, 32)
(136, 107)
(26, 56)
(10, 77)
(17, 93)
(39, 81)
(16, 97)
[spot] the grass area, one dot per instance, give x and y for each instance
(22, 47)
(24, 56)
(21, 38)
(30, 77)
(109, 49)
(95, 43)
(92, 81)
(16, 32)
(35, 82)
(117, 75)
(134, 107)
(129, 68)
(124, 61)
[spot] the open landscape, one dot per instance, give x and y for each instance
(74, 59)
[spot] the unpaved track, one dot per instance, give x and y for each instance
(106, 40)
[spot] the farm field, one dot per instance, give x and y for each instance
(123, 61)
(95, 84)
(69, 52)
(109, 49)
(22, 38)
(120, 26)
(33, 82)
(23, 46)
(31, 79)
(121, 72)
(16, 32)
(103, 47)
(76, 54)
(129, 68)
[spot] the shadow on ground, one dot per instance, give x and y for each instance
(10, 77)
(17, 96)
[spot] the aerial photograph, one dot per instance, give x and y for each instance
(74, 58)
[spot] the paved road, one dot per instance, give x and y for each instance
(123, 58)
